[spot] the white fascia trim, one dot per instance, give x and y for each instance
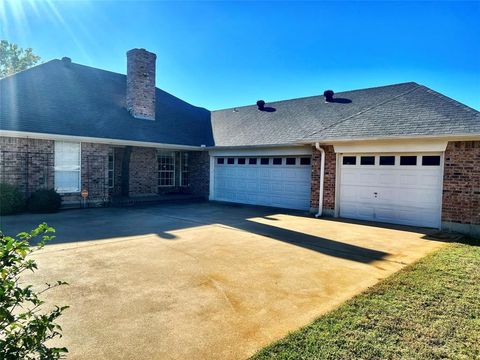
(265, 146)
(42, 136)
(458, 137)
(262, 151)
(392, 146)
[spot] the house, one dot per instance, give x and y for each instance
(401, 153)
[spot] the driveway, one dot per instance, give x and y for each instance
(205, 280)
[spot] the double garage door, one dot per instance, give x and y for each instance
(270, 181)
(393, 188)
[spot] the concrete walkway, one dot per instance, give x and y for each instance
(205, 281)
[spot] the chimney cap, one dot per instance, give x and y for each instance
(328, 95)
(261, 104)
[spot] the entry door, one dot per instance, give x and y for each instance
(393, 188)
(270, 181)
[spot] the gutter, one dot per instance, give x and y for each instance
(322, 174)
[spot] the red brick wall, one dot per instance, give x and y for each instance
(199, 167)
(329, 178)
(461, 183)
(143, 171)
(26, 163)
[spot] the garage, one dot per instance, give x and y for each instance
(393, 188)
(277, 181)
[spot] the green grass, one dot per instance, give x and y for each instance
(429, 310)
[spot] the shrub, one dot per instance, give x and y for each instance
(11, 200)
(44, 201)
(25, 327)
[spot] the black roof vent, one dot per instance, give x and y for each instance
(328, 95)
(261, 105)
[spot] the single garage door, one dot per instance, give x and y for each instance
(270, 181)
(393, 188)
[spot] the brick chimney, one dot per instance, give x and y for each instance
(141, 83)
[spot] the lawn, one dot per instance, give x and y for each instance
(429, 310)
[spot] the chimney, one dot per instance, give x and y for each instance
(141, 83)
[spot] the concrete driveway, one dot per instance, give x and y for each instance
(205, 281)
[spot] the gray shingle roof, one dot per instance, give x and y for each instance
(83, 101)
(406, 109)
(78, 100)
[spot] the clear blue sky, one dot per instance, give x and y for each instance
(223, 54)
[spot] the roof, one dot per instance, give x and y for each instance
(400, 110)
(77, 100)
(70, 99)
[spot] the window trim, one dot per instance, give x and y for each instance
(60, 191)
(305, 158)
(276, 158)
(184, 169)
(161, 153)
(291, 158)
(432, 156)
(349, 156)
(409, 156)
(387, 156)
(111, 151)
(367, 156)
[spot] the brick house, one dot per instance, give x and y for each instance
(400, 153)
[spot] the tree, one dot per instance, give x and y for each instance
(14, 59)
(24, 325)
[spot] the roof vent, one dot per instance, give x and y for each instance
(261, 105)
(66, 61)
(328, 95)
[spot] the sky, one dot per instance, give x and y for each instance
(225, 54)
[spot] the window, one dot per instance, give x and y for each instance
(231, 161)
(367, 160)
(387, 160)
(111, 168)
(408, 160)
(184, 171)
(349, 160)
(305, 161)
(431, 160)
(277, 161)
(252, 161)
(241, 161)
(264, 161)
(220, 161)
(166, 168)
(67, 166)
(291, 161)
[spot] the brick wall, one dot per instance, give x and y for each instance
(199, 167)
(461, 183)
(27, 163)
(329, 178)
(143, 171)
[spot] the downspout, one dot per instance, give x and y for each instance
(322, 173)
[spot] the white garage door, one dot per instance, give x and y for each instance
(270, 181)
(393, 188)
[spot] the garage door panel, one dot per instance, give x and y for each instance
(286, 186)
(409, 195)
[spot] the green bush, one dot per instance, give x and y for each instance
(26, 327)
(11, 200)
(44, 201)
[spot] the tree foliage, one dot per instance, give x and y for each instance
(14, 59)
(25, 326)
